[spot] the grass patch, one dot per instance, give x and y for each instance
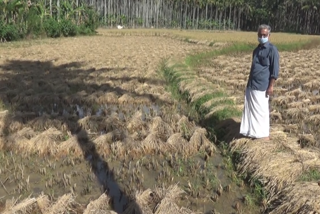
(236, 48)
(310, 175)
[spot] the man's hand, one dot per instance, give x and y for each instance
(269, 91)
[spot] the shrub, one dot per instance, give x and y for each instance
(68, 28)
(83, 30)
(8, 32)
(52, 28)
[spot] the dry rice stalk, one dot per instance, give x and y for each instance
(299, 104)
(186, 127)
(161, 129)
(260, 160)
(11, 122)
(43, 203)
(177, 141)
(276, 115)
(46, 142)
(24, 206)
(70, 146)
(104, 140)
(20, 140)
(307, 140)
(44, 122)
(100, 205)
(62, 204)
(314, 108)
(126, 98)
(152, 144)
(90, 123)
(172, 192)
(110, 98)
(296, 113)
(199, 141)
(295, 92)
(314, 119)
(141, 203)
(218, 108)
(203, 93)
(313, 84)
(217, 100)
(136, 124)
(299, 198)
(283, 100)
(167, 204)
(196, 90)
(118, 148)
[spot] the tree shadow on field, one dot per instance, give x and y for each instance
(35, 88)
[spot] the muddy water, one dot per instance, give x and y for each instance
(204, 178)
(199, 178)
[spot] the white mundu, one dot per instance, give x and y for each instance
(255, 122)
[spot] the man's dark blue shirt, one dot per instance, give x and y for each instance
(265, 65)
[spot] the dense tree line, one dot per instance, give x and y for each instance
(283, 15)
(20, 18)
(33, 18)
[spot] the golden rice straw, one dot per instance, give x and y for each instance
(70, 146)
(307, 139)
(314, 108)
(100, 205)
(280, 91)
(22, 207)
(312, 85)
(90, 123)
(43, 203)
(283, 100)
(168, 196)
(177, 141)
(160, 128)
(314, 119)
(299, 198)
(136, 124)
(199, 141)
(205, 92)
(221, 107)
(295, 92)
(298, 104)
(61, 205)
(141, 203)
(276, 115)
(46, 142)
(118, 148)
(276, 170)
(110, 98)
(185, 126)
(296, 113)
(217, 100)
(126, 98)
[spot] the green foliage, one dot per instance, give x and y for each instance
(8, 32)
(310, 175)
(68, 28)
(52, 28)
(18, 19)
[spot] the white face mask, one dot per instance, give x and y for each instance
(263, 40)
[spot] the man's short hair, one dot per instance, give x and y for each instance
(264, 26)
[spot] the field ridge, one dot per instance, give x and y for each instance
(277, 165)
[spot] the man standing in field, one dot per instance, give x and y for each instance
(264, 71)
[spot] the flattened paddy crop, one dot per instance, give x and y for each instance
(288, 165)
(86, 116)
